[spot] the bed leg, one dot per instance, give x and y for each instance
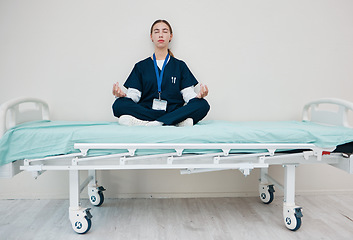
(80, 218)
(266, 190)
(292, 214)
(95, 192)
(74, 189)
(263, 174)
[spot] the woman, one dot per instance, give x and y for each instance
(160, 89)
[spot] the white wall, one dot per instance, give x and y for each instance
(262, 60)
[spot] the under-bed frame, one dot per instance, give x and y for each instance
(80, 217)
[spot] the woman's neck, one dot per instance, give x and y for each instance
(161, 53)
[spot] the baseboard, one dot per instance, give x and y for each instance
(278, 194)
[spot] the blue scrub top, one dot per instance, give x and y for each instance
(176, 77)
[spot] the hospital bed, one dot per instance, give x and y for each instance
(31, 142)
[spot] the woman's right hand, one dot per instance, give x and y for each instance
(203, 91)
(117, 91)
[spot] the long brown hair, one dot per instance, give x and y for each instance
(170, 29)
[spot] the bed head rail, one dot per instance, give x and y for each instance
(22, 110)
(337, 114)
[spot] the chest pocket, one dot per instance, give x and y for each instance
(171, 85)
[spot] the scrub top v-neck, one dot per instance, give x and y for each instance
(176, 77)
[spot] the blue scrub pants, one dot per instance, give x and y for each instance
(196, 109)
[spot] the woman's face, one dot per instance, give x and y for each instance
(161, 35)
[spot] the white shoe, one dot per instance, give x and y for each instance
(154, 124)
(186, 123)
(127, 120)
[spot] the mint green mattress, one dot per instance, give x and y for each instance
(48, 138)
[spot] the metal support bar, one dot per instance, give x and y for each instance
(263, 176)
(110, 156)
(289, 185)
(305, 155)
(74, 189)
(346, 163)
(199, 170)
(245, 168)
(86, 182)
(274, 182)
(53, 158)
(154, 156)
(267, 179)
(245, 156)
(92, 174)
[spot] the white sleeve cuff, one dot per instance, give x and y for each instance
(134, 94)
(188, 93)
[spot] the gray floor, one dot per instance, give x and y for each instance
(325, 217)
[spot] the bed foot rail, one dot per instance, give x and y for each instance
(11, 114)
(315, 113)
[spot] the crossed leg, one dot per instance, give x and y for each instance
(196, 109)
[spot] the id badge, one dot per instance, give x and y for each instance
(159, 104)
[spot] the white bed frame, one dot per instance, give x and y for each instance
(12, 114)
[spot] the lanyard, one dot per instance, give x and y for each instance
(159, 76)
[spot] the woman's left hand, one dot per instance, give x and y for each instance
(203, 91)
